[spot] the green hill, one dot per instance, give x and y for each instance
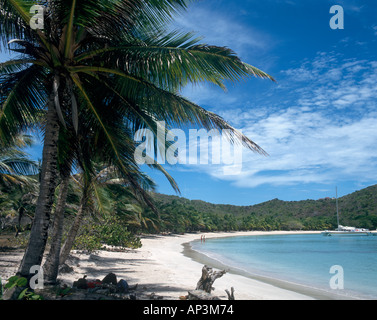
(178, 214)
(357, 209)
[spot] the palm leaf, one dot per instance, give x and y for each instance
(172, 107)
(174, 58)
(15, 65)
(19, 166)
(22, 8)
(21, 99)
(13, 19)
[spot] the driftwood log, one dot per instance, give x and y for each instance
(204, 286)
(208, 278)
(230, 294)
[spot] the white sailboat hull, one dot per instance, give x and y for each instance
(344, 230)
(347, 233)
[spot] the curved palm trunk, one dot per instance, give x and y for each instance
(51, 266)
(39, 232)
(68, 244)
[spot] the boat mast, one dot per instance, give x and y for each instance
(337, 211)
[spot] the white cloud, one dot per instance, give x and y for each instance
(327, 133)
(222, 30)
(306, 147)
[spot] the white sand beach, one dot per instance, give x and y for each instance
(161, 267)
(177, 273)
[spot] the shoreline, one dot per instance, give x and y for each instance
(183, 266)
(304, 290)
(167, 267)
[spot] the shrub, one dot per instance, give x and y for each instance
(108, 231)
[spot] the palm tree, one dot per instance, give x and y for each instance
(91, 196)
(51, 264)
(82, 149)
(18, 199)
(119, 46)
(17, 176)
(15, 165)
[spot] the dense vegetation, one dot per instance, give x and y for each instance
(105, 222)
(121, 218)
(357, 209)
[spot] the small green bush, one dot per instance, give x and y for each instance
(109, 231)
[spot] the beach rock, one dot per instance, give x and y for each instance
(122, 286)
(95, 289)
(81, 283)
(110, 278)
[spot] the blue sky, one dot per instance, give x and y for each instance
(317, 123)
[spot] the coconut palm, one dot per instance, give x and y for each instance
(18, 199)
(83, 148)
(15, 165)
(91, 199)
(17, 177)
(117, 45)
(132, 212)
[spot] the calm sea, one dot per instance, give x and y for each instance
(303, 259)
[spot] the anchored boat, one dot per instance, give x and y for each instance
(347, 231)
(344, 230)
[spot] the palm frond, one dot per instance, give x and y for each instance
(22, 97)
(14, 20)
(19, 166)
(15, 166)
(172, 60)
(170, 107)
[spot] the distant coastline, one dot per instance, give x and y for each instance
(356, 209)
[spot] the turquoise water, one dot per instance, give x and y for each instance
(303, 259)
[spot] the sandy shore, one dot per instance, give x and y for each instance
(167, 267)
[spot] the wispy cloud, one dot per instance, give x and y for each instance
(220, 29)
(325, 132)
(307, 147)
(349, 85)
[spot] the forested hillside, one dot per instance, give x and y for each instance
(176, 214)
(356, 209)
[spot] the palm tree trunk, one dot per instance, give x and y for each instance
(51, 266)
(39, 232)
(68, 244)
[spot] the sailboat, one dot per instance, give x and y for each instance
(344, 230)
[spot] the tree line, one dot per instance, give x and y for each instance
(115, 217)
(357, 209)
